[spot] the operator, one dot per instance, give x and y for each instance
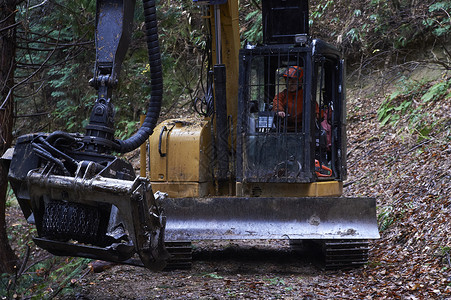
(288, 103)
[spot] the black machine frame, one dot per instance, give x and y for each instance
(266, 150)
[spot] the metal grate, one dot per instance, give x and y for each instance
(273, 98)
(291, 113)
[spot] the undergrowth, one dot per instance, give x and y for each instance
(416, 106)
(37, 276)
(44, 279)
(385, 218)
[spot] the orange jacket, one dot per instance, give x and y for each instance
(291, 104)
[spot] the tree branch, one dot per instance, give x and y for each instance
(437, 62)
(29, 77)
(9, 27)
(33, 115)
(38, 5)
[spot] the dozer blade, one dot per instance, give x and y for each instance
(271, 218)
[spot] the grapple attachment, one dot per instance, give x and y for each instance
(99, 211)
(84, 201)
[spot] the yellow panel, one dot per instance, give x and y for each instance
(328, 188)
(184, 189)
(158, 163)
(315, 189)
(185, 151)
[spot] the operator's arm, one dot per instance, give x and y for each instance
(279, 103)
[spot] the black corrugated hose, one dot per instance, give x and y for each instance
(156, 76)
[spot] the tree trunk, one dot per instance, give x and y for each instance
(8, 259)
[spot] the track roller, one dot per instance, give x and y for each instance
(345, 254)
(181, 255)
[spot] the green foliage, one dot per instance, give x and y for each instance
(445, 250)
(38, 279)
(319, 10)
(251, 22)
(53, 52)
(375, 29)
(72, 105)
(354, 34)
(276, 281)
(10, 197)
(439, 18)
(21, 235)
(56, 52)
(43, 280)
(126, 129)
(182, 40)
(437, 91)
(254, 32)
(409, 103)
(399, 102)
(385, 218)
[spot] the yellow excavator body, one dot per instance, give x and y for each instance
(240, 173)
(181, 165)
(182, 157)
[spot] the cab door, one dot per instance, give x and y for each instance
(329, 94)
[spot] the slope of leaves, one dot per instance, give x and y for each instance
(409, 174)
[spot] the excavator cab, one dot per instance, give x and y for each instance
(299, 152)
(300, 147)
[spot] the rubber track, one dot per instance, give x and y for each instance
(345, 254)
(181, 255)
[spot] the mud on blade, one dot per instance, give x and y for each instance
(271, 218)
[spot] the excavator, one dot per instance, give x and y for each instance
(250, 168)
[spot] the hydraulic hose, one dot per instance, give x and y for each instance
(156, 76)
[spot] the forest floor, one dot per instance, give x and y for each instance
(407, 171)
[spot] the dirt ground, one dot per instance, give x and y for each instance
(221, 270)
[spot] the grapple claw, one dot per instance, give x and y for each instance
(100, 211)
